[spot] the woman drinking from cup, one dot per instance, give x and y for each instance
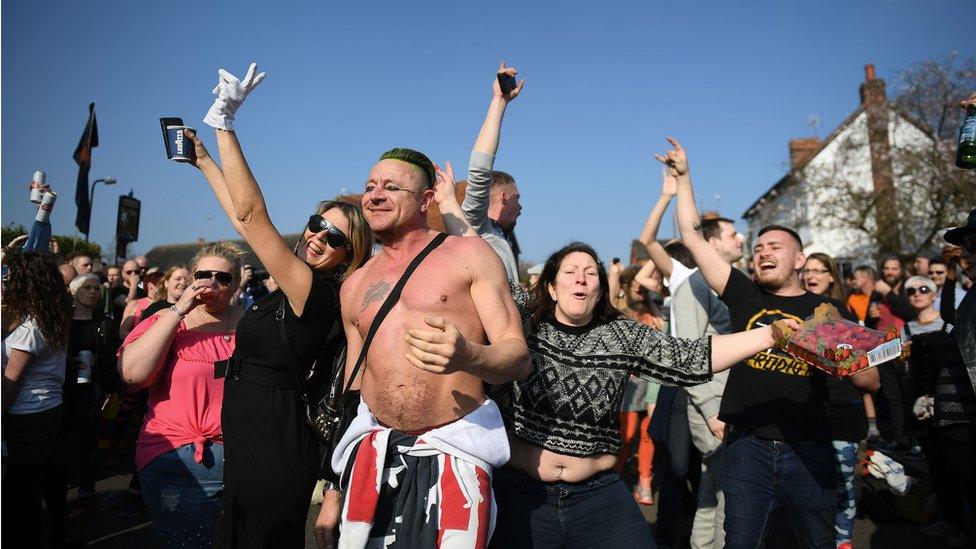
(179, 453)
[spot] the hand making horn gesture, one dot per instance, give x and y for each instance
(675, 159)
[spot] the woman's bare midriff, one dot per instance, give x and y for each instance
(547, 466)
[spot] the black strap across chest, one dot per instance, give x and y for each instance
(388, 304)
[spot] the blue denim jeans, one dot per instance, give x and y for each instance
(846, 455)
(183, 496)
(760, 476)
(597, 512)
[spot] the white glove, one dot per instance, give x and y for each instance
(924, 407)
(230, 92)
(893, 473)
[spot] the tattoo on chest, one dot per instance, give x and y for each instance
(376, 291)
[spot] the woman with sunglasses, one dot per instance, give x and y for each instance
(174, 353)
(272, 455)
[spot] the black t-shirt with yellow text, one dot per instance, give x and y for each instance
(772, 394)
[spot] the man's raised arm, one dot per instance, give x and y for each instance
(477, 194)
(712, 265)
(648, 236)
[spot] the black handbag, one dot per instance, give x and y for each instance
(329, 416)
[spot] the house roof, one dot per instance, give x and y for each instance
(789, 177)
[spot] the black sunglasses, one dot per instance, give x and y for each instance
(921, 289)
(335, 237)
(223, 278)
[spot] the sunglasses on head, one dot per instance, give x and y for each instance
(223, 278)
(921, 289)
(335, 237)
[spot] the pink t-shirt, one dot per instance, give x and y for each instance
(185, 400)
(141, 305)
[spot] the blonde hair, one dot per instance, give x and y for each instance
(224, 250)
(161, 285)
(360, 235)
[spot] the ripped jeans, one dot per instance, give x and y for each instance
(183, 496)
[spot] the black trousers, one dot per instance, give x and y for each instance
(949, 452)
(891, 404)
(36, 465)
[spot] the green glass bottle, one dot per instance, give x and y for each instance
(966, 153)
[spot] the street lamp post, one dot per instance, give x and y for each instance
(91, 199)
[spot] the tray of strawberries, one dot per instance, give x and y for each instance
(839, 347)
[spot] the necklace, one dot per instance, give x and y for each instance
(225, 321)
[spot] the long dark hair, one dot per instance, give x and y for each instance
(541, 305)
(35, 289)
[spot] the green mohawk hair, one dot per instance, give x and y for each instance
(416, 158)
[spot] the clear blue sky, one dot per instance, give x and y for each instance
(606, 81)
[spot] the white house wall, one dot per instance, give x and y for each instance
(845, 158)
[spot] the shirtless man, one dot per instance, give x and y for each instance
(454, 328)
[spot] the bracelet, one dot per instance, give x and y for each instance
(177, 311)
(330, 486)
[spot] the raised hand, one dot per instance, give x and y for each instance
(675, 159)
(669, 183)
(497, 89)
(231, 92)
(444, 189)
(442, 350)
(201, 152)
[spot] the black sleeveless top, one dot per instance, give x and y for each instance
(259, 342)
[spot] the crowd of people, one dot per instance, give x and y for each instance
(488, 412)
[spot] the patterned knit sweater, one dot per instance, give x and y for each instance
(570, 402)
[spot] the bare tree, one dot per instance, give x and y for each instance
(931, 193)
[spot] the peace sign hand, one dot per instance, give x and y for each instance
(675, 159)
(231, 92)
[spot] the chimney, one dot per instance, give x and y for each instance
(802, 149)
(875, 104)
(873, 88)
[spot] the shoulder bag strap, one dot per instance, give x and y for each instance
(392, 300)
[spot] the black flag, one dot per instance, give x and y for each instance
(89, 140)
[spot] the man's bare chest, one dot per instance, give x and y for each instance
(436, 288)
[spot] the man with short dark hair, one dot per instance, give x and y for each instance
(892, 290)
(491, 201)
(777, 450)
(939, 271)
(417, 460)
(921, 265)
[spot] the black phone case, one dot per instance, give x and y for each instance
(507, 83)
(170, 121)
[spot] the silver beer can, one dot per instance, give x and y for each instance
(86, 360)
(36, 194)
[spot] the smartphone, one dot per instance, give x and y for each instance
(616, 260)
(506, 82)
(170, 121)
